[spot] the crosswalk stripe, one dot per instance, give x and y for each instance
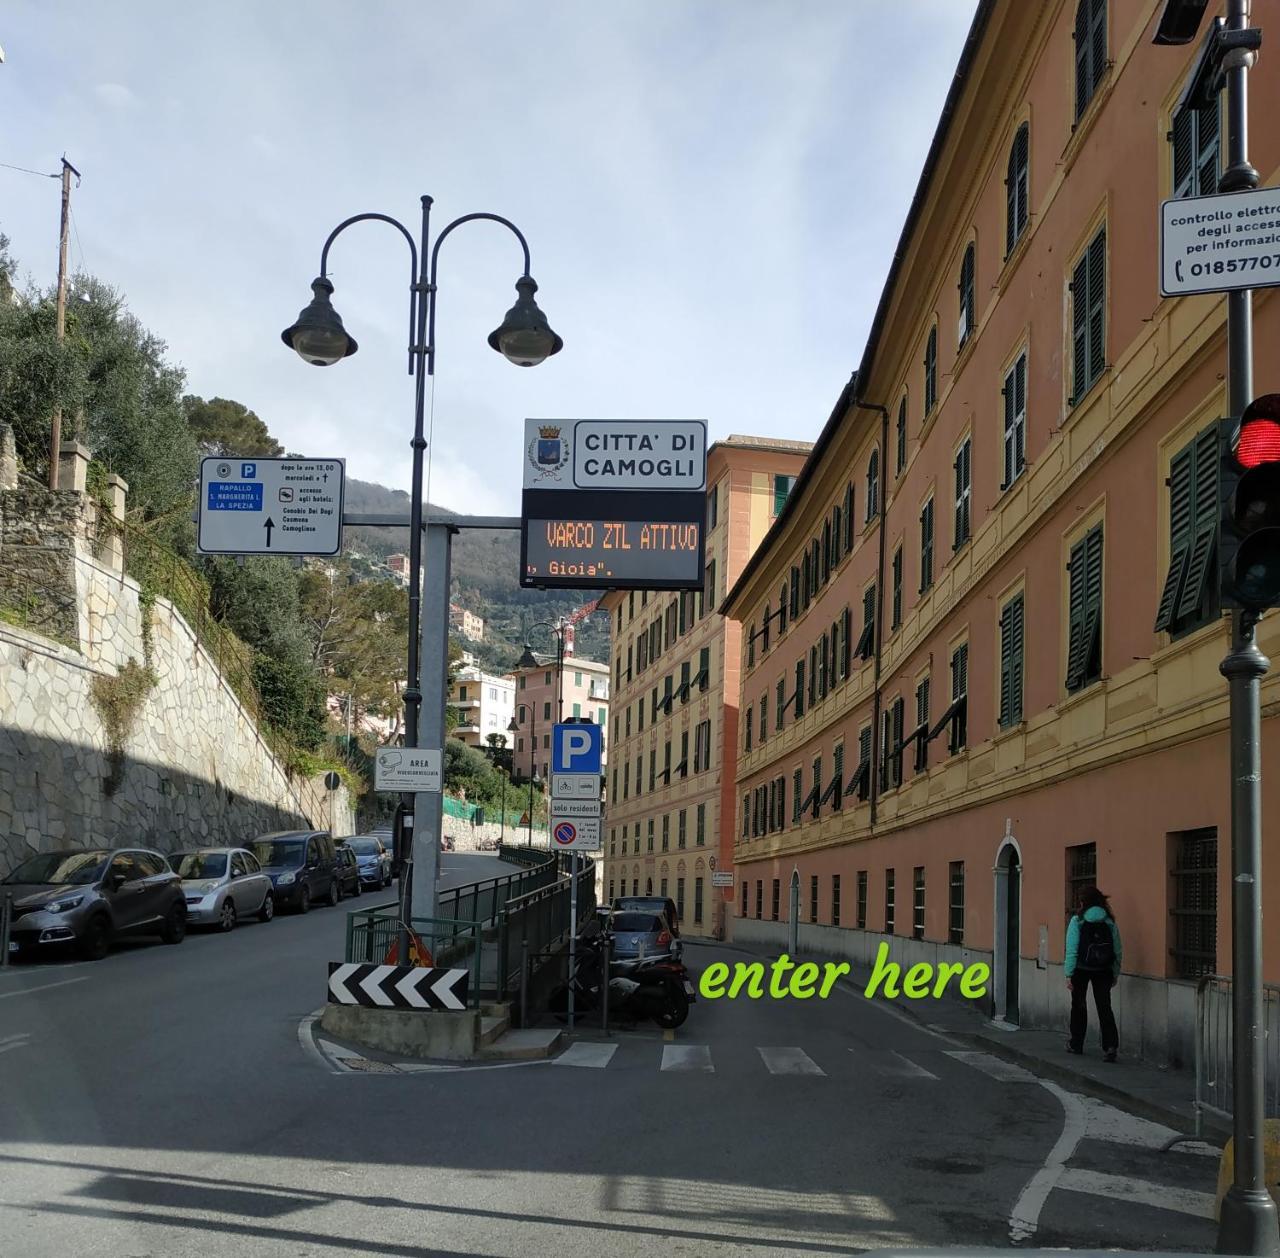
(892, 1063)
(789, 1061)
(687, 1057)
(996, 1067)
(593, 1056)
(1140, 1192)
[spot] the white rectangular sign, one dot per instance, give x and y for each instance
(615, 454)
(408, 769)
(722, 878)
(1213, 244)
(269, 506)
(576, 809)
(575, 786)
(574, 834)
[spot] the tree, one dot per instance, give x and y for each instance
(220, 426)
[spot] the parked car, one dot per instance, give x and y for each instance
(89, 897)
(302, 865)
(642, 932)
(348, 869)
(222, 885)
(656, 904)
(373, 859)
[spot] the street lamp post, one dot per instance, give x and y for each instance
(533, 752)
(524, 338)
(529, 660)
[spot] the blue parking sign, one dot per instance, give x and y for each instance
(248, 470)
(577, 749)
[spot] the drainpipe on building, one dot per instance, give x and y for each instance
(878, 637)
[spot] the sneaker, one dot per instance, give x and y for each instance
(1111, 1056)
(1071, 1048)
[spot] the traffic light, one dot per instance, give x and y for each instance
(1249, 506)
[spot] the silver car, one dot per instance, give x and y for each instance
(222, 885)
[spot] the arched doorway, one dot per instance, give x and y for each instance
(1006, 946)
(793, 914)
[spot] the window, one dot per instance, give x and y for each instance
(966, 297)
(922, 726)
(700, 827)
(848, 518)
(816, 794)
(626, 779)
(835, 899)
(1195, 138)
(781, 489)
(611, 885)
(917, 903)
(797, 796)
(926, 546)
(649, 836)
(743, 911)
(1088, 317)
(704, 668)
(873, 485)
(764, 718)
(666, 832)
(577, 710)
(1011, 662)
(901, 437)
(682, 829)
(1017, 188)
(896, 618)
(1082, 872)
(1091, 51)
(813, 675)
(793, 604)
(710, 587)
(963, 466)
(891, 746)
(955, 918)
(860, 908)
(713, 507)
(774, 900)
(546, 711)
(1190, 595)
(750, 725)
(780, 705)
(697, 901)
(1015, 421)
(799, 694)
(1084, 634)
(862, 780)
(931, 371)
(888, 901)
(959, 697)
(867, 640)
(1195, 913)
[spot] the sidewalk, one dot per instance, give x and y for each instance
(1151, 1092)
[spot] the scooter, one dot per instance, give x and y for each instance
(652, 987)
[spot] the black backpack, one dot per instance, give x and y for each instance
(1095, 949)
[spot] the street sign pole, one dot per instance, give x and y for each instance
(1248, 1220)
(573, 930)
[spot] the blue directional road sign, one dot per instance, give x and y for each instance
(577, 749)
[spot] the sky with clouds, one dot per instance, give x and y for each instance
(711, 190)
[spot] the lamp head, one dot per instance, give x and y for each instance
(524, 337)
(318, 336)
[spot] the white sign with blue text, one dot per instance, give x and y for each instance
(269, 506)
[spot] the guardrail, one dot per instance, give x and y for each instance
(1213, 1049)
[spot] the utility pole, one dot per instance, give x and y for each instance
(60, 326)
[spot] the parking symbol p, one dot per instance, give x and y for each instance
(248, 470)
(577, 749)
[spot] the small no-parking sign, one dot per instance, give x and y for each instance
(577, 834)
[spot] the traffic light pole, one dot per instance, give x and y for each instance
(1248, 1220)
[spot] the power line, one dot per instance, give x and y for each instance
(26, 171)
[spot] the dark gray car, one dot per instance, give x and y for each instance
(302, 865)
(641, 933)
(88, 897)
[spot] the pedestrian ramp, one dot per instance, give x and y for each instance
(922, 1067)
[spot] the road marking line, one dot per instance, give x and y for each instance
(907, 1069)
(995, 1067)
(1025, 1215)
(22, 1043)
(308, 1045)
(1140, 1192)
(593, 1056)
(26, 991)
(883, 1006)
(687, 1057)
(789, 1061)
(21, 1035)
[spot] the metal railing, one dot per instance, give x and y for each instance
(1213, 1046)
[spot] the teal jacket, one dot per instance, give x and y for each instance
(1095, 914)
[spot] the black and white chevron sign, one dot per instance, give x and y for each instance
(397, 986)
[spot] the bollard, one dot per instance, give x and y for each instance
(607, 952)
(524, 983)
(6, 918)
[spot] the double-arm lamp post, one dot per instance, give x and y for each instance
(524, 338)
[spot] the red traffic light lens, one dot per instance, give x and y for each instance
(1259, 443)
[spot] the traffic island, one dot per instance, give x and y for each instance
(425, 1034)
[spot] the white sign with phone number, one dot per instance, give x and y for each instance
(1214, 244)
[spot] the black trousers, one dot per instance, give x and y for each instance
(1101, 982)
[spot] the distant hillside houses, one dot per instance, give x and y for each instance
(466, 623)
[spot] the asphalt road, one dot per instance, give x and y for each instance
(161, 1102)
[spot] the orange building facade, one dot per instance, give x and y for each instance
(980, 645)
(670, 793)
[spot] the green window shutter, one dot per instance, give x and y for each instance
(846, 641)
(1184, 143)
(1076, 616)
(1097, 305)
(848, 518)
(926, 546)
(1018, 668)
(1006, 666)
(1207, 140)
(1181, 500)
(902, 434)
(1079, 329)
(1016, 188)
(1204, 525)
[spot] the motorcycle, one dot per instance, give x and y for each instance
(639, 989)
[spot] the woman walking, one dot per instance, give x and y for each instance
(1093, 960)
